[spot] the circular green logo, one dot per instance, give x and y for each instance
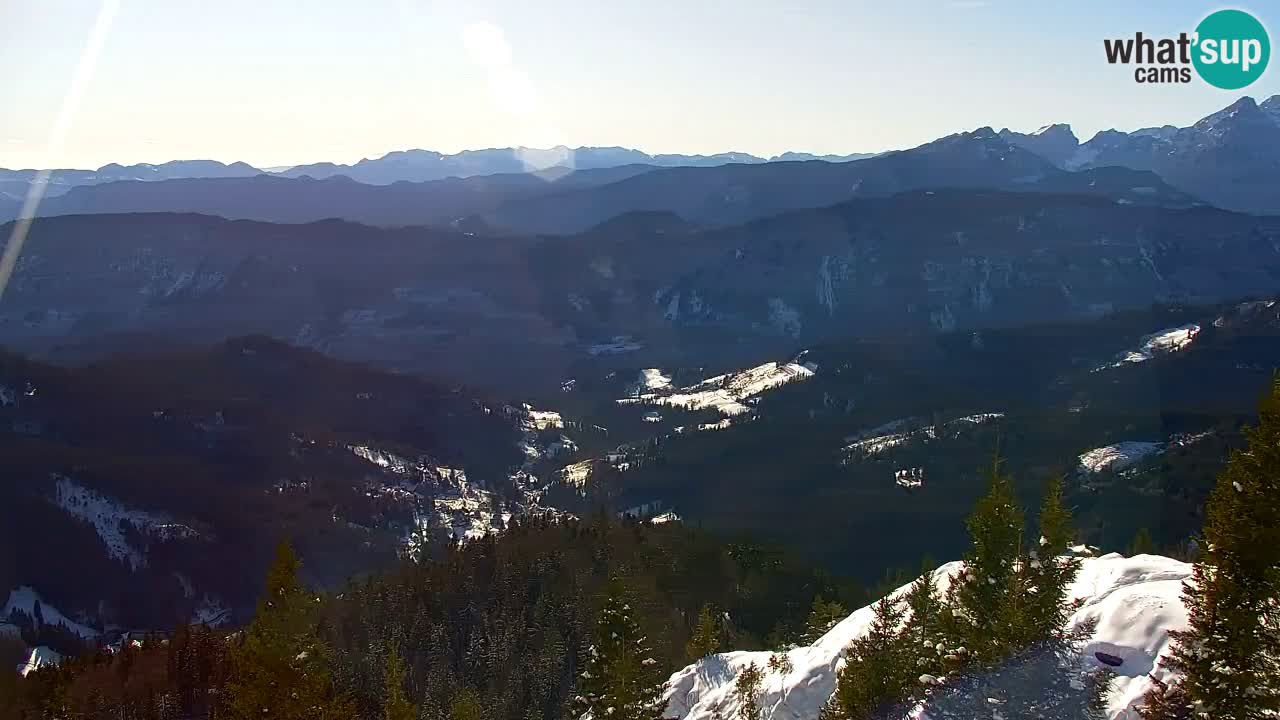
(1231, 49)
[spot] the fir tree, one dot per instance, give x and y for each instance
(879, 672)
(1166, 702)
(396, 705)
(1047, 574)
(279, 668)
(1230, 654)
(747, 690)
(982, 602)
(622, 680)
(922, 633)
(824, 616)
(706, 636)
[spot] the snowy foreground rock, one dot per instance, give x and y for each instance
(1135, 602)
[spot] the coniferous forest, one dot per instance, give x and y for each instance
(587, 618)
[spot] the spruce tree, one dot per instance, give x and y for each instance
(922, 633)
(747, 690)
(395, 704)
(706, 636)
(822, 617)
(279, 669)
(1230, 654)
(879, 672)
(622, 680)
(982, 607)
(1046, 574)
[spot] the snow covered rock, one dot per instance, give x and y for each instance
(1134, 602)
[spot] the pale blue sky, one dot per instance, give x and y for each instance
(276, 82)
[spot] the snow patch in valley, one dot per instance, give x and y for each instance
(107, 517)
(1134, 601)
(1118, 456)
(577, 474)
(540, 419)
(24, 600)
(40, 657)
(654, 379)
(726, 394)
(894, 433)
(1164, 342)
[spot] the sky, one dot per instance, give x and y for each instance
(283, 82)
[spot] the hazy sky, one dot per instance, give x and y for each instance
(276, 82)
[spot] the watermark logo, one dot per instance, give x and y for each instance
(1229, 50)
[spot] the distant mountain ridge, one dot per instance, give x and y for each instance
(421, 165)
(398, 165)
(1230, 158)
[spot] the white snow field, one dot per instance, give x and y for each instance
(1118, 456)
(1162, 342)
(1135, 602)
(726, 394)
(24, 599)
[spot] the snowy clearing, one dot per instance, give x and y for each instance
(1118, 456)
(1163, 342)
(892, 434)
(107, 516)
(25, 598)
(725, 394)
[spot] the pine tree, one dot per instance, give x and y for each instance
(982, 602)
(1047, 574)
(822, 617)
(395, 705)
(622, 679)
(879, 672)
(747, 690)
(706, 636)
(1230, 655)
(279, 668)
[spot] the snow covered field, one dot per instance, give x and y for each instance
(1118, 456)
(894, 433)
(726, 394)
(25, 598)
(1161, 342)
(108, 516)
(1134, 601)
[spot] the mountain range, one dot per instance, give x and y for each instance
(1229, 159)
(373, 363)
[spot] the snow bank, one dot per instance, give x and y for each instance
(1135, 602)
